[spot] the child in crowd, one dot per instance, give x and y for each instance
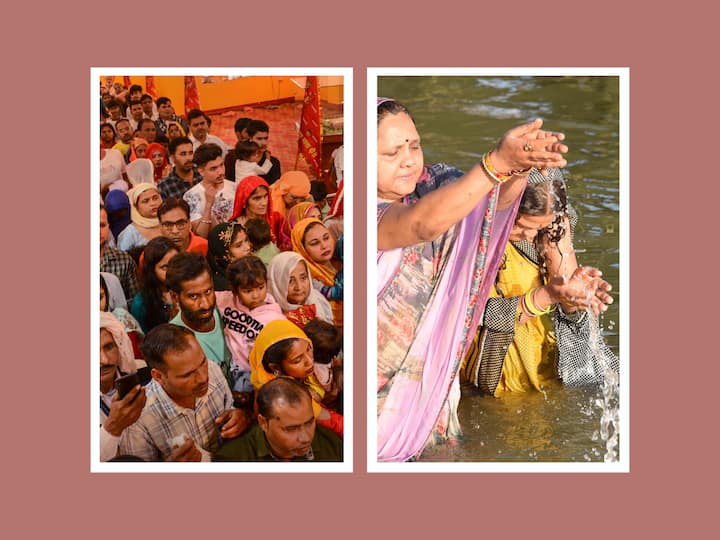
(248, 154)
(245, 309)
(258, 232)
(327, 343)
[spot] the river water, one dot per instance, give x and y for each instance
(459, 119)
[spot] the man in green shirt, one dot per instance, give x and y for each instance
(286, 429)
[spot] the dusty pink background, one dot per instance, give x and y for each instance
(47, 484)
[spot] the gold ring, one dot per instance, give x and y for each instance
(528, 147)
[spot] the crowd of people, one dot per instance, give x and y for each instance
(221, 292)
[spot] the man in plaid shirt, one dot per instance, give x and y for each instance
(183, 175)
(189, 409)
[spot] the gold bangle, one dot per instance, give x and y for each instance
(490, 170)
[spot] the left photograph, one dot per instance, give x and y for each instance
(218, 254)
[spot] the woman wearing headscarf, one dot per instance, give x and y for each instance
(227, 242)
(117, 205)
(290, 283)
(156, 153)
(314, 242)
(131, 325)
(252, 200)
(174, 130)
(138, 147)
(536, 328)
(283, 349)
(294, 214)
(144, 203)
(292, 187)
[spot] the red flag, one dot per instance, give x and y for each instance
(127, 82)
(192, 98)
(150, 86)
(309, 138)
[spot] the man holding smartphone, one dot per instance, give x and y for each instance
(190, 407)
(116, 359)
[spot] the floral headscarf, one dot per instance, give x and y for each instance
(294, 214)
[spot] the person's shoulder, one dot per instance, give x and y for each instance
(327, 445)
(246, 447)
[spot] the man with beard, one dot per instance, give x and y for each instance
(125, 134)
(189, 410)
(184, 175)
(190, 283)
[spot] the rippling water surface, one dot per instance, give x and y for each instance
(459, 119)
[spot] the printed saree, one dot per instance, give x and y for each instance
(430, 301)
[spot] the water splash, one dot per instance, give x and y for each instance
(609, 403)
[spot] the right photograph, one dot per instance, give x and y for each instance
(500, 233)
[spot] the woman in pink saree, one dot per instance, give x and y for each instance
(441, 236)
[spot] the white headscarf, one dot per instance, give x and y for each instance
(109, 322)
(135, 216)
(279, 279)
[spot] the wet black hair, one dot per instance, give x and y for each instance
(543, 198)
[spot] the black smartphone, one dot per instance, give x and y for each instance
(126, 383)
(144, 375)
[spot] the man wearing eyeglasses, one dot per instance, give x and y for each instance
(174, 217)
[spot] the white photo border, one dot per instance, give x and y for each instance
(346, 466)
(621, 466)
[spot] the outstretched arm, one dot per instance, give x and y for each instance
(520, 149)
